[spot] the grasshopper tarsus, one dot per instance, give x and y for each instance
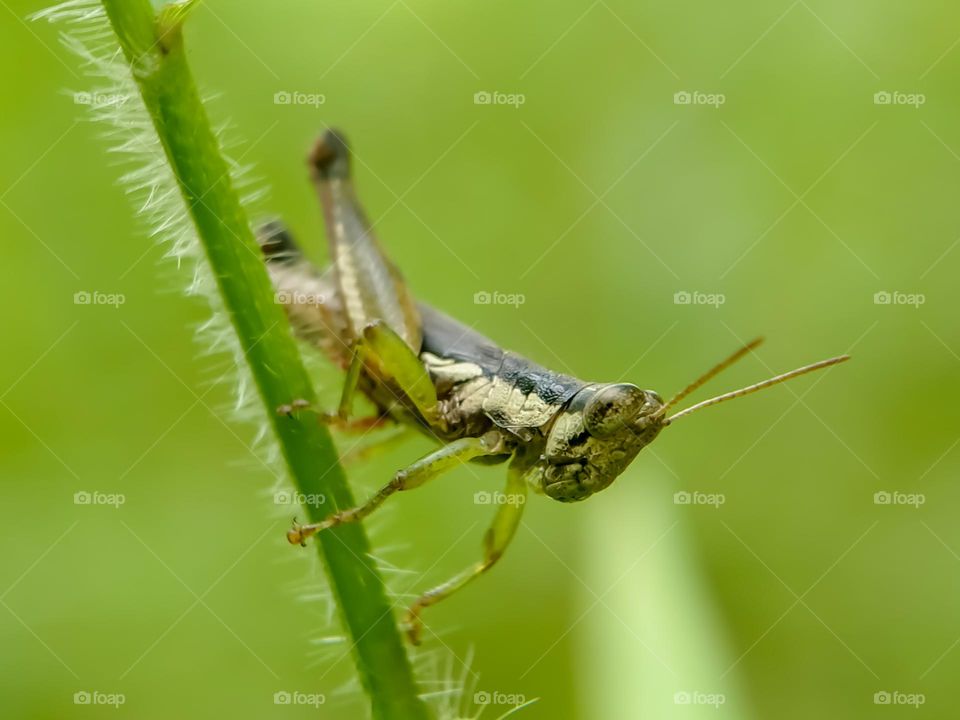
(414, 626)
(298, 534)
(294, 536)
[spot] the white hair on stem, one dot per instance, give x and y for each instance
(148, 181)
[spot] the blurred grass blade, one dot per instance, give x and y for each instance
(668, 653)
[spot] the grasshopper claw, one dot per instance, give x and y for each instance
(296, 535)
(414, 625)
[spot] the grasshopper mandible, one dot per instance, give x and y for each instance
(563, 437)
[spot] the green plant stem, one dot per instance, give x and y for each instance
(153, 46)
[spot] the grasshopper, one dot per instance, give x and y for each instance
(561, 436)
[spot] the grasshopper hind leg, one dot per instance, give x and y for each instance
(276, 242)
(307, 293)
(370, 286)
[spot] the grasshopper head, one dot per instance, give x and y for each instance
(603, 427)
(596, 437)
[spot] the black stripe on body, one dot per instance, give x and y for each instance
(448, 338)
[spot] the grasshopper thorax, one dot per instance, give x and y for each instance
(596, 436)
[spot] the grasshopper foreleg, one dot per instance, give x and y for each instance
(495, 542)
(424, 469)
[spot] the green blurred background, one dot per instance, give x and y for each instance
(599, 198)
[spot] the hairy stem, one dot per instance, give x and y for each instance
(154, 48)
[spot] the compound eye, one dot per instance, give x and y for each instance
(612, 409)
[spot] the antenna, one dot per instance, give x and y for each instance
(749, 388)
(711, 373)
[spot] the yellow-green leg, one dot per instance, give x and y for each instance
(386, 355)
(495, 542)
(424, 469)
